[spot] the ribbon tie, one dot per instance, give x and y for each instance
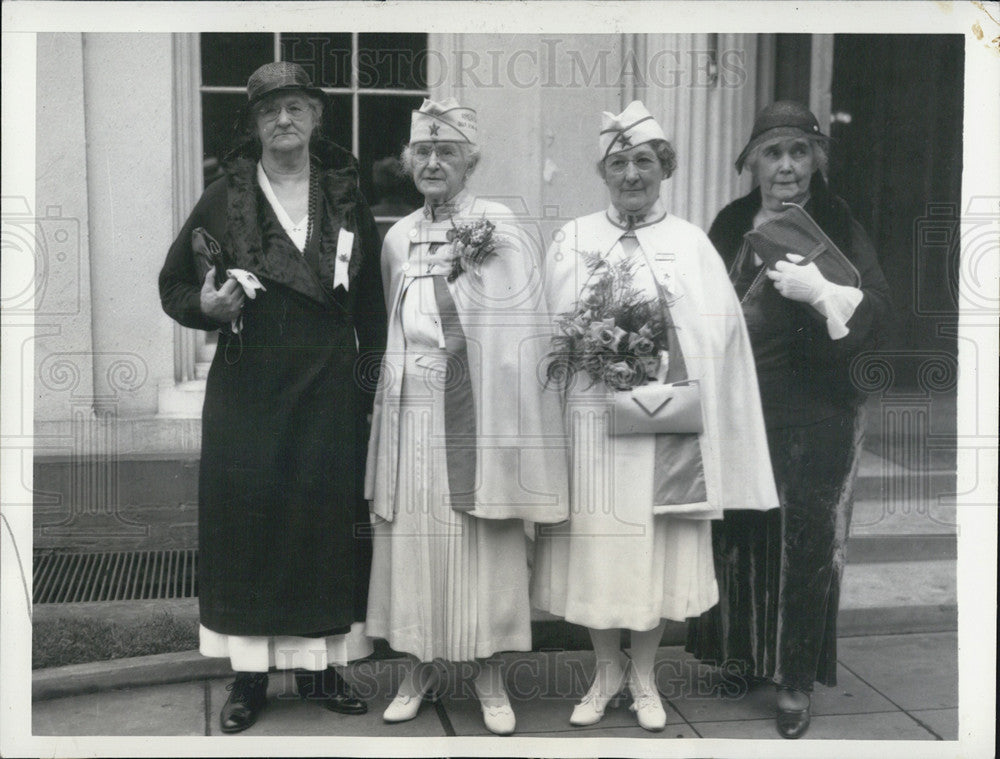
(629, 243)
(632, 220)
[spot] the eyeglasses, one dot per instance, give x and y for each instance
(271, 111)
(445, 152)
(619, 164)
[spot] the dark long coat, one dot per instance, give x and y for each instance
(282, 544)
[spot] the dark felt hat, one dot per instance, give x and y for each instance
(783, 118)
(280, 75)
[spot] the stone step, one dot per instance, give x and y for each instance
(878, 549)
(878, 517)
(890, 597)
(183, 399)
(882, 479)
(926, 582)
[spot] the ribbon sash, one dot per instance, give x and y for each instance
(678, 471)
(459, 407)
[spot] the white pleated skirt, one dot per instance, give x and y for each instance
(444, 585)
(615, 564)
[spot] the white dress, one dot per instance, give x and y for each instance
(615, 564)
(444, 585)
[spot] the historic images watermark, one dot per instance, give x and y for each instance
(549, 64)
(558, 676)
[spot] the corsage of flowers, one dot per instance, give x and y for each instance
(473, 244)
(615, 333)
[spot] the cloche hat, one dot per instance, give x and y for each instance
(280, 75)
(783, 118)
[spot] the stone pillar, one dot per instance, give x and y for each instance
(60, 223)
(703, 89)
(128, 83)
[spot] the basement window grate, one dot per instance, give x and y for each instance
(114, 576)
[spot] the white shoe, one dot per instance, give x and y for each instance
(646, 704)
(499, 719)
(404, 707)
(590, 710)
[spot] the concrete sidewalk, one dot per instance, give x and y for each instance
(891, 687)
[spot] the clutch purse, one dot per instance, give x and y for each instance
(795, 231)
(658, 408)
(207, 255)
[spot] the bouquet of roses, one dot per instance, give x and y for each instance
(473, 244)
(615, 333)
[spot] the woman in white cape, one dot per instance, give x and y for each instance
(637, 548)
(466, 442)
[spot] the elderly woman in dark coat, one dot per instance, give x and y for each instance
(297, 296)
(779, 573)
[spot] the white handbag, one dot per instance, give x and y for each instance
(658, 408)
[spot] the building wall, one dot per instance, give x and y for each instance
(112, 155)
(105, 159)
(540, 100)
(63, 328)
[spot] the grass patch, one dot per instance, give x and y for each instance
(75, 640)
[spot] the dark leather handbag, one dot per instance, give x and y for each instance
(795, 231)
(208, 255)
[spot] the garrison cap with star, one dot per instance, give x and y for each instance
(633, 126)
(444, 121)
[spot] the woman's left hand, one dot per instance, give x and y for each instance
(802, 283)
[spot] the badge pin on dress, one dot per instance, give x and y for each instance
(665, 269)
(345, 248)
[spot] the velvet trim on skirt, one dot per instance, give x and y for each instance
(779, 572)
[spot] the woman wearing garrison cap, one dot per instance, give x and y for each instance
(813, 296)
(280, 256)
(466, 443)
(663, 415)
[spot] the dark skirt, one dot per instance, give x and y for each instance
(779, 571)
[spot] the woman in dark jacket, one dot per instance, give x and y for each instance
(297, 298)
(779, 572)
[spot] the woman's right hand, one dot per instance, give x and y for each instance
(222, 305)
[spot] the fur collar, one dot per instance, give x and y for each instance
(338, 181)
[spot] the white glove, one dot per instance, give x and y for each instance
(801, 283)
(807, 285)
(248, 281)
(250, 284)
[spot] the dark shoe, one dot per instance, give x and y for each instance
(792, 722)
(248, 695)
(331, 690)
